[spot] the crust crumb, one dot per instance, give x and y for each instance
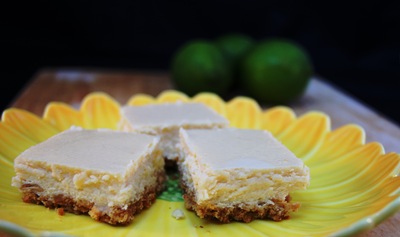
(60, 211)
(178, 214)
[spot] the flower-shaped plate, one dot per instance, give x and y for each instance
(354, 185)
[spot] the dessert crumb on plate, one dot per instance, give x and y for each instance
(178, 214)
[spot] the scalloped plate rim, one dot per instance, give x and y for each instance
(358, 227)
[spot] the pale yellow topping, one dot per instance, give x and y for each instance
(239, 148)
(104, 150)
(157, 117)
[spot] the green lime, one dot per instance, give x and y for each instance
(199, 66)
(276, 71)
(234, 47)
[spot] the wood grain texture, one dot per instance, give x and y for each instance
(71, 86)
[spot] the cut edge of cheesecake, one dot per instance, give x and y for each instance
(247, 188)
(113, 192)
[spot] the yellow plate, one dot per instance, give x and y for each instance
(354, 185)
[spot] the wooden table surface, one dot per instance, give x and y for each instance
(71, 86)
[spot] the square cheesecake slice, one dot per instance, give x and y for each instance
(164, 120)
(239, 175)
(110, 175)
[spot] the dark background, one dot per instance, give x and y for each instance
(354, 45)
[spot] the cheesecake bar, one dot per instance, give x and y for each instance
(164, 120)
(110, 175)
(239, 175)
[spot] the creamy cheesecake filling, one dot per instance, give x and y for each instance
(231, 187)
(239, 171)
(124, 168)
(102, 188)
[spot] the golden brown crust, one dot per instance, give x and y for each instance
(278, 211)
(116, 215)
